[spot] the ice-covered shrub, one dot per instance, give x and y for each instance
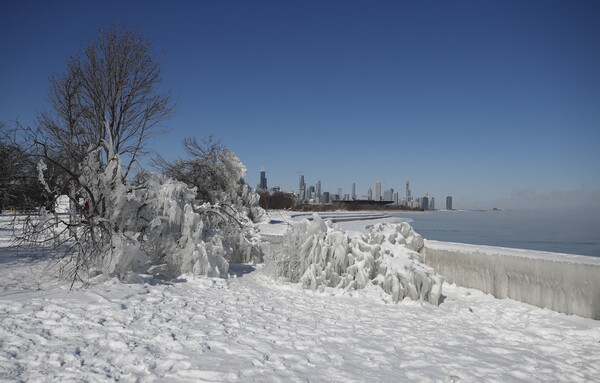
(188, 236)
(236, 192)
(217, 174)
(156, 225)
(318, 254)
(181, 236)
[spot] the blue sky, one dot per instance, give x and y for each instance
(494, 103)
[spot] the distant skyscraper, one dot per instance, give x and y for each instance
(370, 194)
(417, 203)
(302, 190)
(449, 203)
(353, 190)
(408, 196)
(432, 204)
(388, 195)
(396, 197)
(263, 180)
(425, 203)
(340, 192)
(378, 191)
(318, 189)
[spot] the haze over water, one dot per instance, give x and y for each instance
(574, 231)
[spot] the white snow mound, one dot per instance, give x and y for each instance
(319, 254)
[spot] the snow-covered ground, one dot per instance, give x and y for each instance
(249, 329)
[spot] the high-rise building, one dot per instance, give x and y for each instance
(388, 195)
(408, 196)
(302, 189)
(353, 191)
(378, 191)
(425, 203)
(449, 203)
(340, 192)
(318, 189)
(432, 203)
(310, 192)
(416, 203)
(263, 180)
(370, 194)
(396, 198)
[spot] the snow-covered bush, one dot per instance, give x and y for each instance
(156, 225)
(217, 174)
(236, 191)
(185, 236)
(318, 254)
(178, 235)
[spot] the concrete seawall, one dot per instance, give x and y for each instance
(565, 283)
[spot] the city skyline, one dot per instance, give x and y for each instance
(496, 103)
(306, 192)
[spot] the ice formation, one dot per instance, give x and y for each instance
(157, 225)
(184, 236)
(565, 283)
(236, 192)
(319, 254)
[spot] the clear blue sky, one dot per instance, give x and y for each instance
(494, 103)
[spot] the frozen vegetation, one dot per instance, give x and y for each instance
(319, 255)
(156, 226)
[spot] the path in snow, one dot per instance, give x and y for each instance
(251, 329)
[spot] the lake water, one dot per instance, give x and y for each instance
(561, 231)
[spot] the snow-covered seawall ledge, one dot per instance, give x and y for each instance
(565, 283)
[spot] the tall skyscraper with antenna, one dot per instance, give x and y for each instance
(263, 180)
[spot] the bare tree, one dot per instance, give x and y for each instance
(202, 167)
(114, 81)
(102, 111)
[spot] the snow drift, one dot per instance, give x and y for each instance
(319, 254)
